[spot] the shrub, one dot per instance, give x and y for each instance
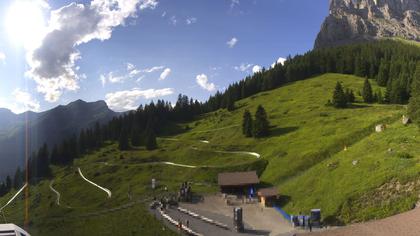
(404, 155)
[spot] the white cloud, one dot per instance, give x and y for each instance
(165, 74)
(2, 57)
(128, 99)
(131, 73)
(243, 67)
(22, 101)
(234, 3)
(152, 4)
(130, 67)
(110, 77)
(173, 20)
(231, 43)
(281, 60)
(164, 14)
(191, 20)
(256, 69)
(152, 69)
(53, 62)
(202, 80)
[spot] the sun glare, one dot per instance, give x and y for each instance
(25, 23)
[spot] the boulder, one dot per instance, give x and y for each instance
(406, 120)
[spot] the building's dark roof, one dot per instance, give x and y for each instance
(238, 178)
(268, 192)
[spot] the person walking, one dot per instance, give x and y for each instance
(310, 224)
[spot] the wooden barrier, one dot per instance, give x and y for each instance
(203, 218)
(175, 223)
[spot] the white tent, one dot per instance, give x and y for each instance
(12, 230)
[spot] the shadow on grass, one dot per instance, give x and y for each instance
(357, 106)
(283, 200)
(333, 220)
(277, 131)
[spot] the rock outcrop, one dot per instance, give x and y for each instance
(353, 21)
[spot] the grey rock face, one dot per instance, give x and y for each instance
(352, 21)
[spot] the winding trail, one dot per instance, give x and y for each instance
(94, 184)
(179, 165)
(13, 198)
(254, 154)
(57, 201)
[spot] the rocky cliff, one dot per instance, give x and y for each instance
(352, 21)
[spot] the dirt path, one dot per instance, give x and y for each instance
(57, 201)
(108, 192)
(13, 198)
(253, 154)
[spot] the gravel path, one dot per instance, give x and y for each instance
(57, 201)
(14, 196)
(108, 192)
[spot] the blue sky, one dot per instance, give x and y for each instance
(129, 52)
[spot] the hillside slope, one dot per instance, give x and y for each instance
(306, 136)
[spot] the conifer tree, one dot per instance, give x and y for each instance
(414, 104)
(367, 93)
(123, 143)
(379, 97)
(18, 179)
(230, 103)
(43, 162)
(135, 136)
(82, 142)
(339, 99)
(8, 184)
(55, 156)
(383, 73)
(151, 143)
(261, 124)
(247, 124)
(350, 98)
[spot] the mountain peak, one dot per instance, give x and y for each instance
(352, 21)
(80, 102)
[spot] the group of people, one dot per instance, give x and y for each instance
(302, 221)
(185, 192)
(187, 224)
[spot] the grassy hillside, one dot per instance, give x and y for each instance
(408, 41)
(304, 130)
(374, 178)
(303, 156)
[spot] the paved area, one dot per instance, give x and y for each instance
(258, 220)
(407, 224)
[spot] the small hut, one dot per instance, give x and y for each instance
(239, 183)
(268, 196)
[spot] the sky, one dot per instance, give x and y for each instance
(130, 52)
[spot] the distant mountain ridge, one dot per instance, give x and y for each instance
(352, 21)
(49, 127)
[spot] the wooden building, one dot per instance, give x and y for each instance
(241, 183)
(268, 196)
